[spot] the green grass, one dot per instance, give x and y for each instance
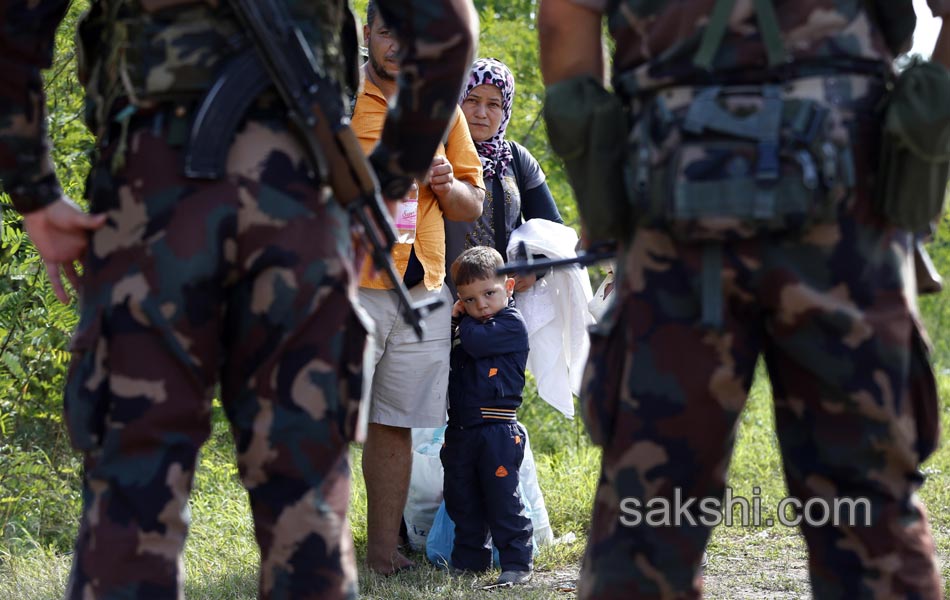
(221, 557)
(771, 562)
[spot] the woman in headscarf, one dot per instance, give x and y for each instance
(515, 186)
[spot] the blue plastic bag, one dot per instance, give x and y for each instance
(441, 538)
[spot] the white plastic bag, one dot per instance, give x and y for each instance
(425, 485)
(533, 499)
(439, 546)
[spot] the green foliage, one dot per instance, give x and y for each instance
(37, 468)
(509, 33)
(39, 474)
(936, 308)
(221, 557)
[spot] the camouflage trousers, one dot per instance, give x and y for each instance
(833, 311)
(246, 282)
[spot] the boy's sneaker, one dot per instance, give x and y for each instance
(513, 578)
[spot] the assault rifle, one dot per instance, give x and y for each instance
(598, 252)
(929, 280)
(281, 57)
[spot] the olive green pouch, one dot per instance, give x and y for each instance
(915, 147)
(587, 126)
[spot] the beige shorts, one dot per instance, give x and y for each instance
(411, 380)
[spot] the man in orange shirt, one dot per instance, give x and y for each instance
(411, 378)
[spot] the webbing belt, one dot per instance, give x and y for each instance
(705, 112)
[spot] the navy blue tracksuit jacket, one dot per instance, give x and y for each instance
(484, 443)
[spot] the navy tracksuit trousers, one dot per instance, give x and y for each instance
(481, 496)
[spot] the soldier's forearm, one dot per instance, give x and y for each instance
(570, 41)
(438, 41)
(463, 202)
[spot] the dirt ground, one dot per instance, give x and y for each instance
(725, 579)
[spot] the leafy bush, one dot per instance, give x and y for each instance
(39, 473)
(936, 308)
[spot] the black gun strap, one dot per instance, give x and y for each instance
(499, 216)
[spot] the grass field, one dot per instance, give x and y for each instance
(221, 558)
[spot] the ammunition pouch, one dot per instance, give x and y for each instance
(724, 163)
(715, 164)
(914, 162)
(587, 128)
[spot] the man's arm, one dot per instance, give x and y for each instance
(570, 39)
(437, 43)
(456, 178)
(56, 225)
(459, 200)
(26, 47)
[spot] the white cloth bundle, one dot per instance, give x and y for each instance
(556, 312)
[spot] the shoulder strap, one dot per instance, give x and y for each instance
(499, 217)
(517, 167)
(716, 30)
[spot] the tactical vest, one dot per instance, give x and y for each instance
(717, 163)
(147, 52)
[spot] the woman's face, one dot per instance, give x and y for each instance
(483, 110)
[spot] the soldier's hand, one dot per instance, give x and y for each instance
(60, 232)
(441, 176)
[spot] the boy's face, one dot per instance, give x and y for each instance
(483, 298)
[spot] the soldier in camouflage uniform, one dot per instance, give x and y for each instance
(247, 280)
(831, 305)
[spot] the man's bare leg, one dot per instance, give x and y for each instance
(387, 466)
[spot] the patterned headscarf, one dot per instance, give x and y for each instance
(494, 152)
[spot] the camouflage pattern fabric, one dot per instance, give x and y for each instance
(26, 45)
(701, 157)
(247, 283)
(656, 41)
(151, 51)
(247, 280)
(833, 311)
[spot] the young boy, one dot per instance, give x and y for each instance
(484, 443)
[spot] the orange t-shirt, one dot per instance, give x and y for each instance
(369, 114)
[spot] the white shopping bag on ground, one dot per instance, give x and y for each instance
(425, 485)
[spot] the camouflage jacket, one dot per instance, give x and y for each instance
(656, 41)
(144, 52)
